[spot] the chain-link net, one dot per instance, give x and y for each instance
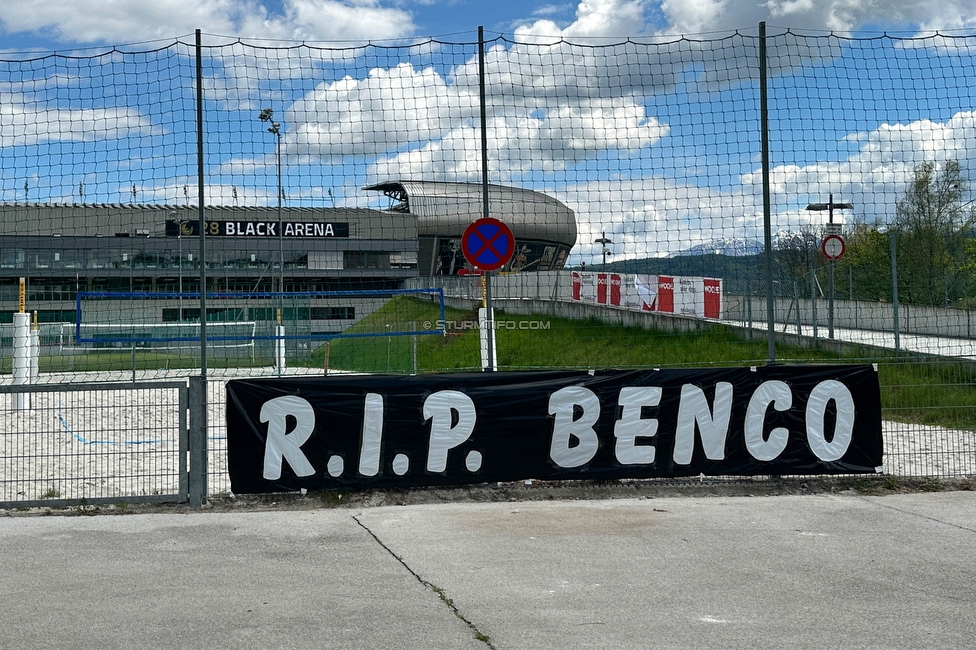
(338, 183)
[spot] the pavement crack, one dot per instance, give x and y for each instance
(921, 516)
(438, 591)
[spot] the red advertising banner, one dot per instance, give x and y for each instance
(665, 294)
(713, 298)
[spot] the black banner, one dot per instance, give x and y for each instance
(261, 228)
(452, 429)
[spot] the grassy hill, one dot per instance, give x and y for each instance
(913, 390)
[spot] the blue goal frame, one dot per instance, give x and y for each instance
(228, 295)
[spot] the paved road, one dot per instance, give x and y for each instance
(944, 346)
(738, 572)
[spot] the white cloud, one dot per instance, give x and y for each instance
(248, 77)
(23, 122)
(655, 217)
(621, 18)
(551, 10)
(520, 142)
(875, 177)
(331, 20)
(389, 108)
(697, 16)
(75, 21)
(113, 21)
(594, 19)
(426, 123)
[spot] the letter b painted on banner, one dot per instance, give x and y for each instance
(562, 405)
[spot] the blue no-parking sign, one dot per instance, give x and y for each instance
(487, 244)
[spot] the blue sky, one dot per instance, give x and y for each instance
(654, 145)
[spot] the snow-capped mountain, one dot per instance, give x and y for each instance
(733, 247)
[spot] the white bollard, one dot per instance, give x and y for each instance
(280, 349)
(484, 324)
(21, 369)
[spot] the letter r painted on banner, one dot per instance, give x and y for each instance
(282, 443)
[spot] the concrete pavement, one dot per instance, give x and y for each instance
(737, 572)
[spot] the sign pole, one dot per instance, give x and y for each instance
(830, 316)
(832, 247)
(830, 308)
(489, 313)
(490, 323)
(487, 245)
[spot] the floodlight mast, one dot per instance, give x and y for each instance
(275, 129)
(830, 206)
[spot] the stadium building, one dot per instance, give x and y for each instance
(544, 228)
(62, 249)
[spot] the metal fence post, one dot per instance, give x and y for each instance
(767, 202)
(198, 442)
(894, 292)
(201, 216)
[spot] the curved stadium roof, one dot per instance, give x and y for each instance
(446, 209)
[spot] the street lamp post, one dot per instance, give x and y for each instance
(275, 129)
(830, 206)
(604, 242)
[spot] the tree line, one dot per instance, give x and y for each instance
(932, 238)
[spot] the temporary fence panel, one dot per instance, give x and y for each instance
(70, 445)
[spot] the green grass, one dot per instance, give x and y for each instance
(927, 391)
(552, 343)
(381, 354)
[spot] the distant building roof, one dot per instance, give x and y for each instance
(107, 219)
(446, 209)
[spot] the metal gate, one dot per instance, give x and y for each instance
(67, 445)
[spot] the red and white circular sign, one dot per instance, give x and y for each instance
(832, 247)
